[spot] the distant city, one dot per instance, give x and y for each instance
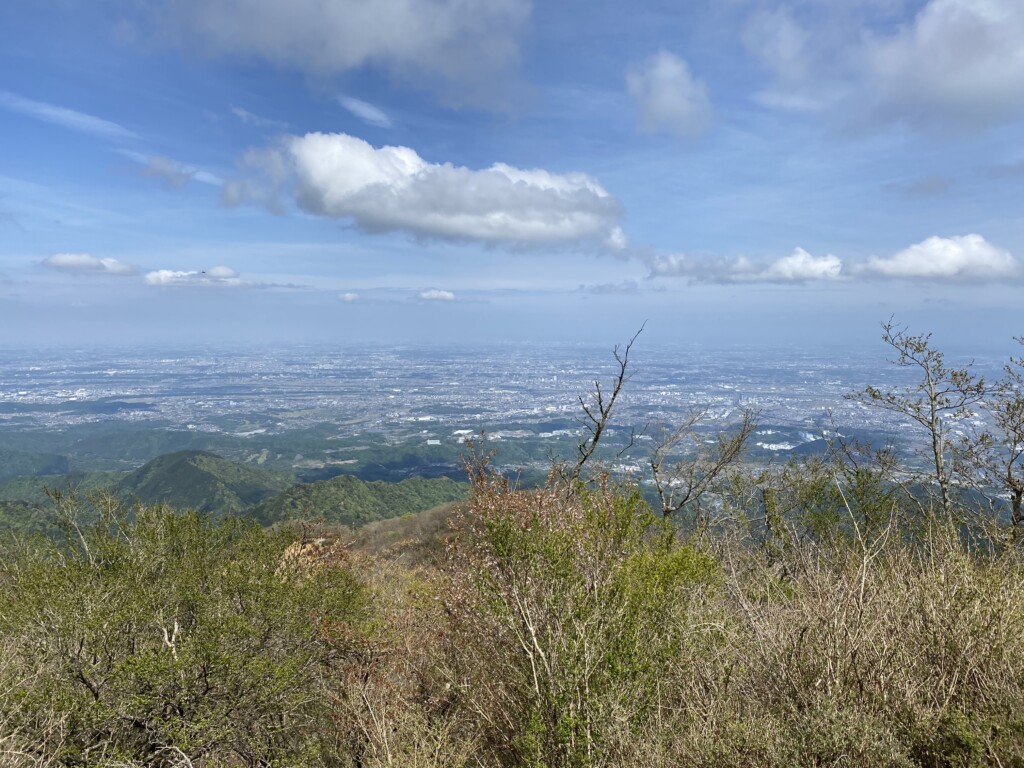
(343, 401)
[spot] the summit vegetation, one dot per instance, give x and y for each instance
(844, 609)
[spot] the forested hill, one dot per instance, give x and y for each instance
(202, 481)
(347, 500)
(217, 486)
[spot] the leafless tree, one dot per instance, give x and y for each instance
(994, 459)
(684, 481)
(597, 410)
(942, 397)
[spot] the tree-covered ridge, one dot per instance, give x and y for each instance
(15, 463)
(347, 500)
(202, 481)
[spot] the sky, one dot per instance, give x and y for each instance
(445, 171)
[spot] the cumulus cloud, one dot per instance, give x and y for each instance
(87, 264)
(798, 267)
(970, 257)
(177, 174)
(215, 276)
(966, 258)
(394, 189)
(464, 47)
(366, 111)
(956, 65)
(67, 118)
(669, 98)
(616, 240)
(437, 295)
(349, 297)
(959, 62)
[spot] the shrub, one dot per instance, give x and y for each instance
(151, 637)
(567, 609)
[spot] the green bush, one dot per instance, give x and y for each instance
(568, 611)
(151, 637)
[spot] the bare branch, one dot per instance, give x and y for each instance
(685, 482)
(599, 412)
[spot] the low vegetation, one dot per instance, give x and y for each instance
(839, 611)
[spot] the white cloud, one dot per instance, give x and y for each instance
(258, 121)
(175, 174)
(348, 298)
(462, 46)
(784, 47)
(87, 264)
(970, 257)
(217, 276)
(617, 239)
(172, 172)
(67, 118)
(956, 65)
(436, 295)
(960, 62)
(668, 96)
(798, 267)
(365, 111)
(627, 286)
(775, 39)
(967, 258)
(394, 189)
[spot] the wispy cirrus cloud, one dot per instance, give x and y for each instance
(66, 118)
(174, 173)
(930, 186)
(366, 111)
(251, 118)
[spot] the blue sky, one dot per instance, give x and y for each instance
(410, 171)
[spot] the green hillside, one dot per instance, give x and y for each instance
(347, 500)
(18, 463)
(32, 488)
(26, 518)
(202, 481)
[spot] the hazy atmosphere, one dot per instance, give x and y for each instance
(746, 170)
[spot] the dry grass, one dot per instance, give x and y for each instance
(898, 652)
